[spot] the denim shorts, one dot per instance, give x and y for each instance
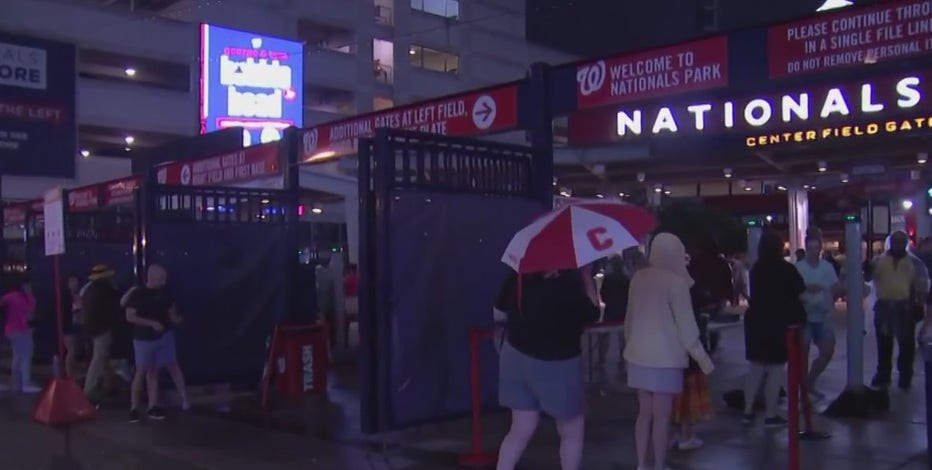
(552, 387)
(818, 332)
(152, 354)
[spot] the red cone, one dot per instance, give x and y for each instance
(63, 402)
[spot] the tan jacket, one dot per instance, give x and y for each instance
(660, 326)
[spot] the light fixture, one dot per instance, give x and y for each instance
(658, 188)
(748, 189)
(317, 210)
(265, 201)
(727, 172)
(834, 5)
(554, 180)
(622, 195)
(85, 153)
(599, 196)
(922, 158)
(641, 177)
(806, 186)
(823, 167)
(130, 72)
(127, 149)
(780, 187)
(769, 218)
(812, 188)
(565, 193)
(412, 50)
(668, 192)
(907, 204)
(129, 140)
(844, 178)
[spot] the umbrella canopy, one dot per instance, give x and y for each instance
(576, 235)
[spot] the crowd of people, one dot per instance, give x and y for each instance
(665, 299)
(129, 335)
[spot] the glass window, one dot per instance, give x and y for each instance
(444, 8)
(432, 59)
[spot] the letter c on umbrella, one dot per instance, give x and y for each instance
(598, 239)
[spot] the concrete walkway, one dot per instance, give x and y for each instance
(325, 435)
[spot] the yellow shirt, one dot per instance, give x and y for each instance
(894, 279)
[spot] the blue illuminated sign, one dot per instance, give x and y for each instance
(250, 81)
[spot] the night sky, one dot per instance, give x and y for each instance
(592, 28)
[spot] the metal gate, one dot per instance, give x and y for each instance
(435, 215)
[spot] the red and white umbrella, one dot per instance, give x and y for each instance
(578, 234)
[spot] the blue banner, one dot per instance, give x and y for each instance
(250, 81)
(38, 130)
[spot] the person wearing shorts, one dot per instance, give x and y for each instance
(151, 311)
(822, 288)
(540, 366)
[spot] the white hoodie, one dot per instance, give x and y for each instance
(660, 326)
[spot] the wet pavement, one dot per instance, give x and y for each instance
(324, 435)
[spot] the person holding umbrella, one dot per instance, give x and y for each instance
(548, 301)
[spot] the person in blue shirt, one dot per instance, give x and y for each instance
(822, 288)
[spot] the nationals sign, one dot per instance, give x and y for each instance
(851, 37)
(234, 167)
(470, 114)
(697, 65)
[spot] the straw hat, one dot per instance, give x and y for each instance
(100, 271)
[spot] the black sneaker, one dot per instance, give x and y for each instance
(747, 419)
(133, 416)
(880, 381)
(775, 422)
(905, 382)
(155, 413)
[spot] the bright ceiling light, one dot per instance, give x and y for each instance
(599, 196)
(130, 72)
(727, 172)
(907, 204)
(85, 153)
(922, 158)
(823, 167)
(834, 5)
(317, 210)
(844, 178)
(412, 51)
(129, 140)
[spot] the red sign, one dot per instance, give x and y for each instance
(475, 113)
(242, 165)
(120, 191)
(850, 37)
(693, 66)
(81, 199)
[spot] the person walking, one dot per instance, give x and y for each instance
(822, 288)
(151, 310)
(774, 305)
(100, 304)
(540, 365)
(902, 284)
(661, 335)
(19, 304)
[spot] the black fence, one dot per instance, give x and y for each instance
(436, 213)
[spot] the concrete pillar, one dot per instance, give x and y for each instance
(798, 217)
(754, 233)
(921, 208)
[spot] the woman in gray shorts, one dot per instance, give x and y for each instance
(540, 368)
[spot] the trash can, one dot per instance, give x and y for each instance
(305, 365)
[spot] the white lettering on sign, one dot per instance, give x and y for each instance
(431, 118)
(759, 112)
(255, 88)
(23, 67)
(853, 38)
(307, 367)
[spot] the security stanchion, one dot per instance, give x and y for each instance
(793, 375)
(796, 391)
(477, 456)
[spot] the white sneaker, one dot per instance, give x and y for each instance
(30, 388)
(691, 444)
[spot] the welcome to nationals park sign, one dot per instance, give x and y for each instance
(866, 41)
